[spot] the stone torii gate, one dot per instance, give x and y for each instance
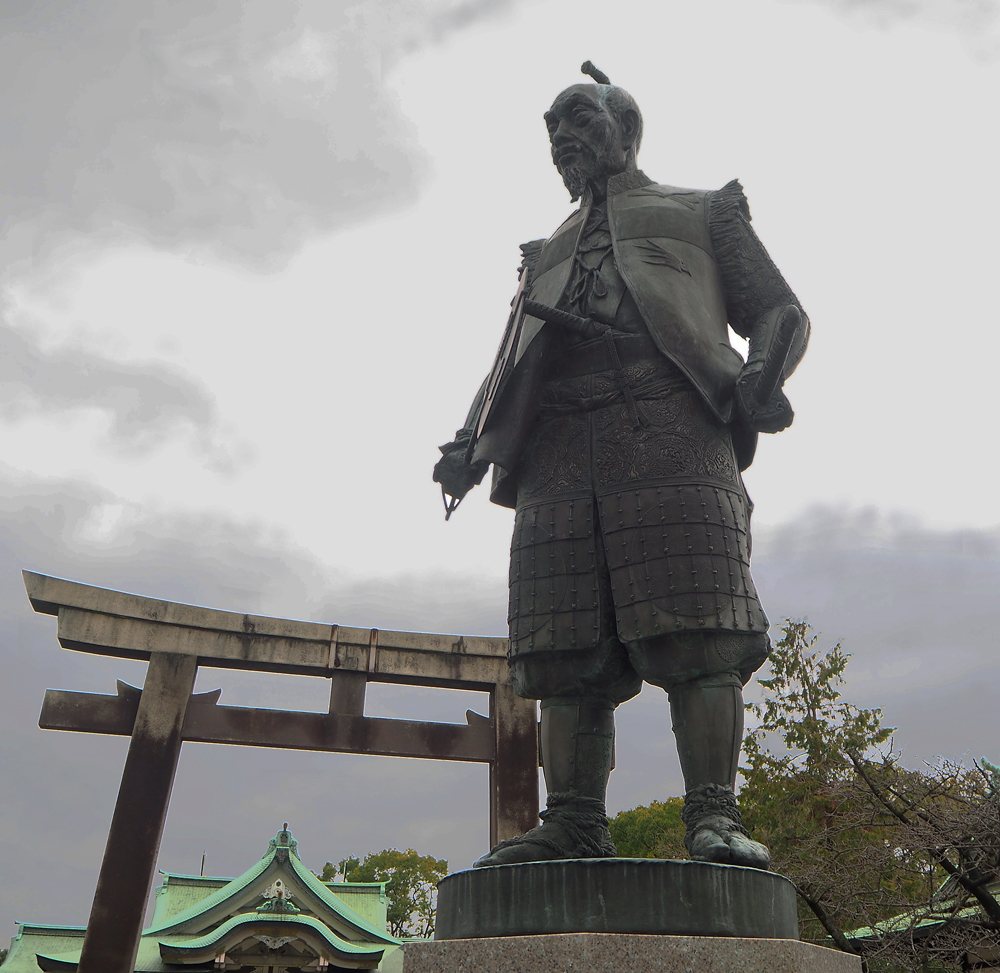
(175, 639)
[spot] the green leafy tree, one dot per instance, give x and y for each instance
(651, 831)
(411, 890)
(892, 864)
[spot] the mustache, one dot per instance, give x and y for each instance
(571, 145)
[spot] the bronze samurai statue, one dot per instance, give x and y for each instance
(618, 418)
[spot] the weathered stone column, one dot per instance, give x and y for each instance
(115, 925)
(514, 771)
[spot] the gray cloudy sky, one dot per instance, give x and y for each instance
(257, 258)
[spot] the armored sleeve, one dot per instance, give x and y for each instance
(752, 283)
(463, 437)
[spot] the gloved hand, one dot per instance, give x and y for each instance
(773, 416)
(759, 398)
(455, 473)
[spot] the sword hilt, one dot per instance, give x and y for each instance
(565, 319)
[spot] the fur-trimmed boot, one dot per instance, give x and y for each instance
(577, 741)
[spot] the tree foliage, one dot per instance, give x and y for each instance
(899, 866)
(652, 831)
(411, 890)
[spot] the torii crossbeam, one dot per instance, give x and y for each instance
(176, 639)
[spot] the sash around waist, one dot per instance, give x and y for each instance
(585, 378)
(592, 356)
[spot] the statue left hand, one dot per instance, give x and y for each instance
(457, 475)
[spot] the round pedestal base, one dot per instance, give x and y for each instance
(620, 895)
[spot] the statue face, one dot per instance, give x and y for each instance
(586, 139)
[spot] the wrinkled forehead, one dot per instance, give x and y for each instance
(586, 94)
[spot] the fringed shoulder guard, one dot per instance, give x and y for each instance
(530, 252)
(753, 284)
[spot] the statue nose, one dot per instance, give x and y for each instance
(563, 135)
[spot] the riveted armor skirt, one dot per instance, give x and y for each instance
(623, 534)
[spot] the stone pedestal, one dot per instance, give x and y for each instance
(619, 915)
(616, 895)
(624, 953)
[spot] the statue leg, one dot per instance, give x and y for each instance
(577, 742)
(704, 673)
(707, 720)
(706, 716)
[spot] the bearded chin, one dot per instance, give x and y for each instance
(575, 180)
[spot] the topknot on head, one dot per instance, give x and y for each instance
(616, 100)
(593, 72)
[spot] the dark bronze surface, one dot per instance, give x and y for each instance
(619, 895)
(618, 418)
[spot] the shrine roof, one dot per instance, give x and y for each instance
(182, 948)
(282, 855)
(194, 912)
(32, 938)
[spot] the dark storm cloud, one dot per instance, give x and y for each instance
(916, 607)
(146, 403)
(208, 127)
(236, 129)
(226, 800)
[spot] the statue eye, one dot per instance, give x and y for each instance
(581, 118)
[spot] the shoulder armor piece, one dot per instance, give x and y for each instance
(529, 254)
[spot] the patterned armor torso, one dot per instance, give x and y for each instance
(658, 511)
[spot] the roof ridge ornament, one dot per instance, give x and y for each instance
(277, 898)
(282, 844)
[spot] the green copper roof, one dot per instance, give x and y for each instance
(366, 899)
(282, 852)
(179, 948)
(216, 898)
(909, 923)
(194, 912)
(179, 892)
(34, 938)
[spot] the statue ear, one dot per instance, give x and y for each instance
(629, 125)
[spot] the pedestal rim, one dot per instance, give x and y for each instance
(643, 896)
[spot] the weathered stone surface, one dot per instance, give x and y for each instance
(116, 623)
(620, 895)
(623, 953)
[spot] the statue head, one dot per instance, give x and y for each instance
(595, 131)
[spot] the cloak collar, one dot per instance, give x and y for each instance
(630, 179)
